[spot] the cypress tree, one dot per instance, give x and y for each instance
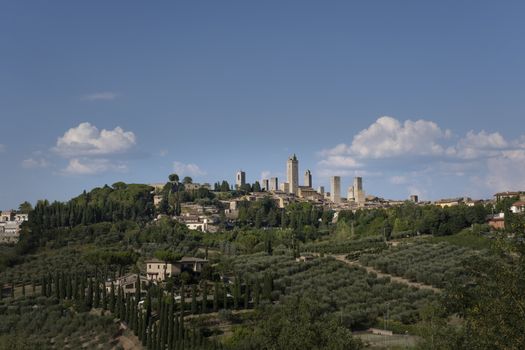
(257, 292)
(225, 301)
(175, 329)
(120, 303)
(96, 290)
(12, 289)
(246, 296)
(194, 299)
(164, 326)
(63, 286)
(112, 298)
(75, 287)
(144, 330)
(104, 297)
(23, 288)
(127, 309)
(236, 294)
(89, 296)
(82, 291)
(43, 288)
(171, 310)
(267, 287)
(137, 288)
(57, 285)
(216, 297)
(138, 331)
(204, 298)
(151, 335)
(181, 329)
(69, 287)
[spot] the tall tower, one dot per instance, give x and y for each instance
(274, 184)
(335, 189)
(359, 194)
(240, 179)
(292, 174)
(308, 178)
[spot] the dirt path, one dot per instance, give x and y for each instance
(128, 340)
(380, 274)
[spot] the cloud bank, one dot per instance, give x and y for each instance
(408, 151)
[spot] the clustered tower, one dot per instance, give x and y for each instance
(308, 178)
(292, 174)
(240, 179)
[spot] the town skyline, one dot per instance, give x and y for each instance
(419, 108)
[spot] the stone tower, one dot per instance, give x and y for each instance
(308, 178)
(292, 174)
(335, 189)
(240, 179)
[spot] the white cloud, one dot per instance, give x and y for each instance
(189, 169)
(388, 137)
(507, 171)
(334, 161)
(475, 145)
(398, 179)
(31, 163)
(105, 96)
(2, 148)
(86, 166)
(87, 140)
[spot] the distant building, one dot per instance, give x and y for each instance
(414, 198)
(335, 189)
(518, 207)
(285, 187)
(449, 202)
(510, 194)
(240, 179)
(321, 190)
(266, 184)
(292, 174)
(192, 264)
(496, 221)
(196, 186)
(158, 270)
(129, 284)
(194, 222)
(308, 178)
(309, 193)
(10, 222)
(274, 184)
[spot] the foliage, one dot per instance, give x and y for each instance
(434, 264)
(297, 324)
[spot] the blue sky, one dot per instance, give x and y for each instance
(100, 91)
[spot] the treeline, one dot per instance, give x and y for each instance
(410, 219)
(266, 213)
(112, 204)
